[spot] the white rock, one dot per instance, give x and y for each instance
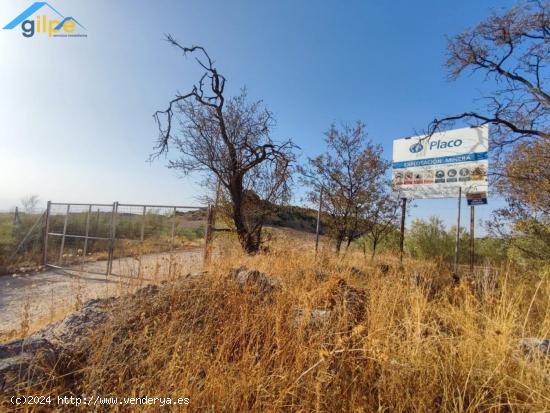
(533, 346)
(263, 282)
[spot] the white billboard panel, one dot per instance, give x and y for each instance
(437, 166)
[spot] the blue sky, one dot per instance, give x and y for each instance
(75, 113)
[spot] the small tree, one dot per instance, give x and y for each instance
(230, 139)
(381, 219)
(30, 203)
(525, 223)
(350, 174)
(430, 239)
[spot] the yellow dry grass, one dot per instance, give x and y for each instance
(423, 344)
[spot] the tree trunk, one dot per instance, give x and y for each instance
(348, 244)
(249, 239)
(338, 245)
(254, 241)
(374, 244)
(339, 240)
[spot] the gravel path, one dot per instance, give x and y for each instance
(27, 302)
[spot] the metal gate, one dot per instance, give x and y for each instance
(122, 240)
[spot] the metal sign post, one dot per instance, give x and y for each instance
(472, 241)
(457, 241)
(402, 234)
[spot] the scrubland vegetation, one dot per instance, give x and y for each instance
(342, 334)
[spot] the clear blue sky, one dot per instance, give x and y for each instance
(75, 114)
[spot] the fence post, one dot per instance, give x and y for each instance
(209, 235)
(112, 235)
(16, 221)
(46, 231)
(85, 250)
(170, 264)
(173, 230)
(97, 223)
(142, 235)
(63, 236)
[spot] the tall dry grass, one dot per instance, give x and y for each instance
(422, 344)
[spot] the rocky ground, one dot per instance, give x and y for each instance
(25, 362)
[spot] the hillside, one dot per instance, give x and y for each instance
(286, 216)
(295, 217)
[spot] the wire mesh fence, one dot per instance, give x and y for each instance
(119, 239)
(21, 238)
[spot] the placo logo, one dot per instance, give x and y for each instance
(416, 147)
(43, 23)
(445, 144)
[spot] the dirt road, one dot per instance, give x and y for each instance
(30, 301)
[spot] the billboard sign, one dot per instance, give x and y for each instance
(436, 166)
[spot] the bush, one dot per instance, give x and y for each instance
(191, 234)
(431, 240)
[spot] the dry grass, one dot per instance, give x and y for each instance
(422, 344)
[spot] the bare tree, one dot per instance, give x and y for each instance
(30, 203)
(229, 138)
(513, 49)
(381, 218)
(351, 174)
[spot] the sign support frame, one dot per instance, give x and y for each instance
(402, 229)
(472, 238)
(457, 240)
